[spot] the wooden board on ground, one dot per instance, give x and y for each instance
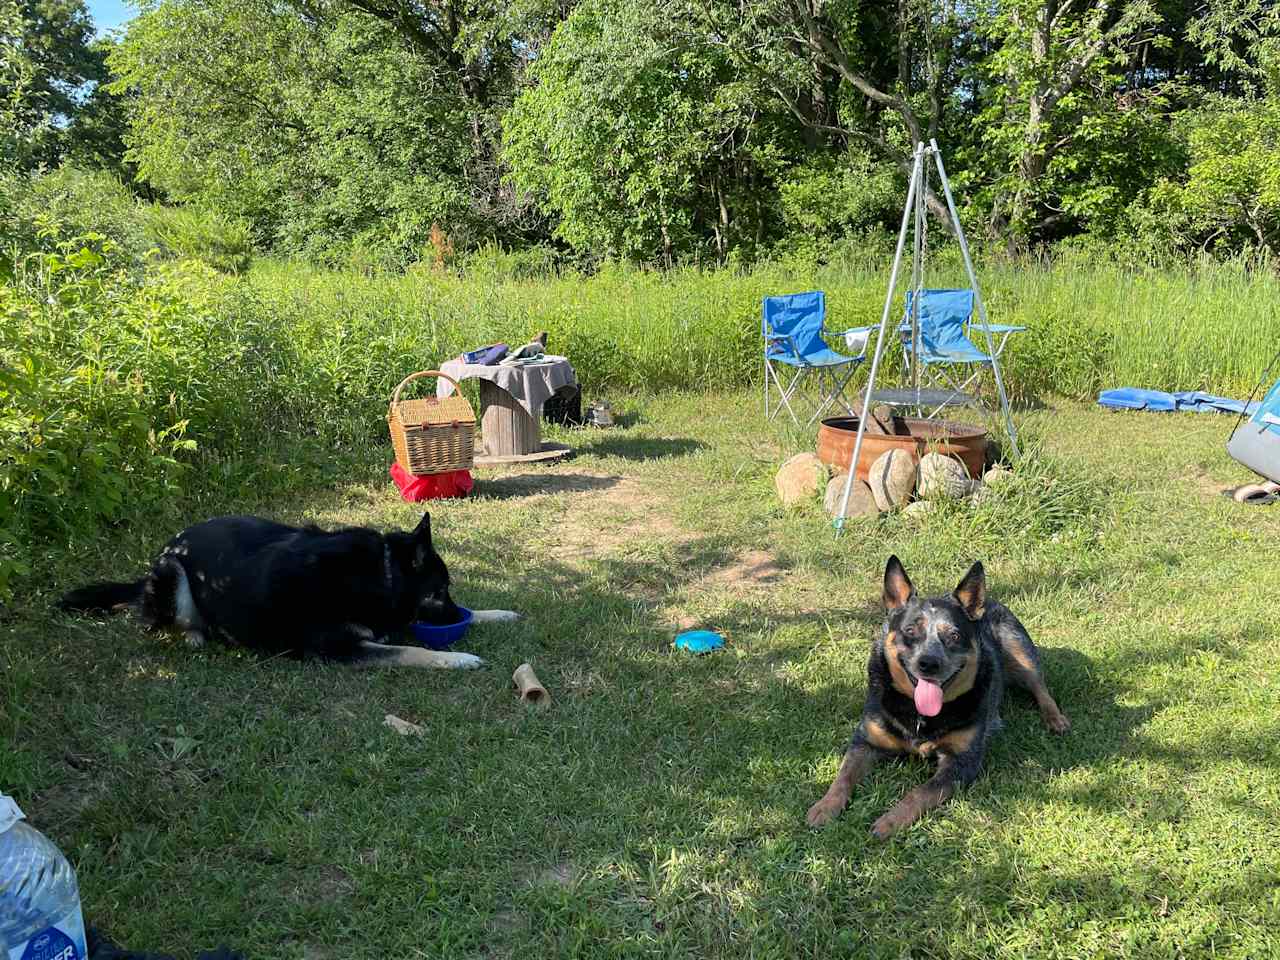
(549, 452)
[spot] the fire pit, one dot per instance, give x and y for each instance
(917, 437)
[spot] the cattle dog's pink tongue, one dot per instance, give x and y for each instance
(928, 698)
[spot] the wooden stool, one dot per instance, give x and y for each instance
(506, 426)
(510, 435)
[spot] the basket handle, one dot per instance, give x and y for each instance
(395, 397)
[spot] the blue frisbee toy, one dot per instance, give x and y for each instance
(699, 641)
(441, 638)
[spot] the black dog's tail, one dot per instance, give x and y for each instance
(101, 597)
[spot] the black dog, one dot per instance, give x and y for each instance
(295, 590)
(934, 685)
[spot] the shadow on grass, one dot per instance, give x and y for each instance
(640, 448)
(532, 484)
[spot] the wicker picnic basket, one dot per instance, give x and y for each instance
(433, 434)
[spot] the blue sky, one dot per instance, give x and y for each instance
(109, 13)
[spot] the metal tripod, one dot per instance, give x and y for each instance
(915, 210)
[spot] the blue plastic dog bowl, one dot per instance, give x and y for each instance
(441, 638)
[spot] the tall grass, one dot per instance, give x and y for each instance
(119, 374)
(1091, 324)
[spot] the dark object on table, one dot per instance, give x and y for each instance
(486, 356)
(100, 948)
(564, 407)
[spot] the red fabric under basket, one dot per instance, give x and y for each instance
(432, 486)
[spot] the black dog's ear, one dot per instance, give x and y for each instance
(898, 589)
(422, 542)
(971, 594)
(422, 532)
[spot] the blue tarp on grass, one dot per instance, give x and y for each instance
(1136, 398)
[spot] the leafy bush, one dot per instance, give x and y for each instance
(205, 235)
(825, 200)
(109, 377)
(491, 263)
(39, 210)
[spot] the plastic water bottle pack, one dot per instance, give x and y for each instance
(40, 915)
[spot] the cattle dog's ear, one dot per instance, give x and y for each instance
(898, 589)
(971, 594)
(422, 542)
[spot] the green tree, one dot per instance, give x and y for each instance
(1058, 112)
(1228, 194)
(641, 139)
(329, 125)
(870, 77)
(51, 72)
(19, 121)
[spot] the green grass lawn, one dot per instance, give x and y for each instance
(657, 809)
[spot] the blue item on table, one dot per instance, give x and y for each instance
(441, 638)
(486, 356)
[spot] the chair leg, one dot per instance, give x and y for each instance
(835, 393)
(767, 373)
(957, 387)
(786, 394)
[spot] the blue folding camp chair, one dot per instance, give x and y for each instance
(948, 359)
(794, 329)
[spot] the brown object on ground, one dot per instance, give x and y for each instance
(800, 478)
(917, 437)
(892, 478)
(861, 501)
(402, 727)
(506, 426)
(530, 687)
(546, 452)
(1256, 494)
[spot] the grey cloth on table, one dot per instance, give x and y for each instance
(531, 384)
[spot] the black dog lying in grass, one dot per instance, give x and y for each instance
(296, 590)
(934, 685)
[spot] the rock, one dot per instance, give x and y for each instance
(921, 508)
(861, 502)
(997, 475)
(941, 476)
(800, 478)
(892, 478)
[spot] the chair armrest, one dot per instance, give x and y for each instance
(855, 338)
(786, 338)
(841, 333)
(997, 327)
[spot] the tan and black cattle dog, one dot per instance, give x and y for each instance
(934, 685)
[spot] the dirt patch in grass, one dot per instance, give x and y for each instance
(607, 520)
(754, 568)
(1212, 487)
(562, 874)
(332, 884)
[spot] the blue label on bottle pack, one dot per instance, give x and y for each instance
(52, 944)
